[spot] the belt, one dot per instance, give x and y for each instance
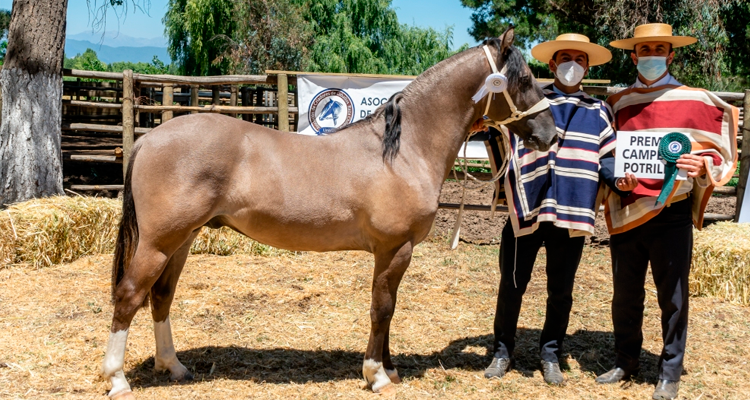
(681, 197)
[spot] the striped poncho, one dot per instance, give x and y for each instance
(709, 122)
(560, 185)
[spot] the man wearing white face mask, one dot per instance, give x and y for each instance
(552, 197)
(646, 231)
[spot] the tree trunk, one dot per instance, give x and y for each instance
(31, 79)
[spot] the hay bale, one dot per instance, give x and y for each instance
(721, 262)
(56, 230)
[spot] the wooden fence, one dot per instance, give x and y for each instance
(104, 112)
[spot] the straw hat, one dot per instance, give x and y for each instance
(653, 33)
(598, 55)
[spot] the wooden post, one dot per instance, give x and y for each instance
(194, 97)
(745, 156)
(246, 94)
(283, 100)
(128, 123)
(215, 99)
(233, 98)
(167, 99)
(137, 101)
(259, 102)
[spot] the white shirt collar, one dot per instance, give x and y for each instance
(668, 79)
(560, 92)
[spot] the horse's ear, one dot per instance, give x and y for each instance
(507, 40)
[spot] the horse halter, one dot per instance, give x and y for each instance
(515, 114)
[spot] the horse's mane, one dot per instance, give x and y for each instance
(515, 62)
(512, 58)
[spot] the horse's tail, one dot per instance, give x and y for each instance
(392, 136)
(127, 236)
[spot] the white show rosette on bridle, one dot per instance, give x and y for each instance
(495, 83)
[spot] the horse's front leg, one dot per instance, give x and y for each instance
(389, 269)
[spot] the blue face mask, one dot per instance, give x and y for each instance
(652, 68)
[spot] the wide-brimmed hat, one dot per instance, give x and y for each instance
(653, 33)
(598, 55)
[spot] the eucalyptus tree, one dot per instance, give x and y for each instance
(31, 79)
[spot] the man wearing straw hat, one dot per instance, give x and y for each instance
(651, 222)
(552, 198)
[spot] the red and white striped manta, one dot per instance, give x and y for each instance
(709, 122)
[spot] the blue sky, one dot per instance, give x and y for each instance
(424, 13)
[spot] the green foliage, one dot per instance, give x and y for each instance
(89, 61)
(4, 22)
(251, 36)
(198, 31)
(719, 60)
(364, 36)
(270, 35)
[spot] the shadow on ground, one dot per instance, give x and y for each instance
(593, 350)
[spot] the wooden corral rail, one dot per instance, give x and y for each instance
(129, 104)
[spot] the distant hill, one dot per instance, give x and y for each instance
(109, 54)
(116, 39)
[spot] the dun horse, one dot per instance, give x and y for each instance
(371, 186)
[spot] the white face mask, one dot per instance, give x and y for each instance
(570, 73)
(652, 67)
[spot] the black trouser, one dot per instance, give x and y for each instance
(563, 256)
(667, 242)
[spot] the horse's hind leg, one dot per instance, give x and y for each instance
(389, 269)
(162, 294)
(145, 268)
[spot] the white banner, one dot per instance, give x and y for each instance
(330, 102)
(638, 153)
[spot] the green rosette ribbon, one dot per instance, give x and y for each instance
(671, 147)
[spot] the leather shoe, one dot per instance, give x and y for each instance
(552, 373)
(666, 390)
(498, 367)
(614, 375)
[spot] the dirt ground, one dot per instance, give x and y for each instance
(477, 227)
(295, 325)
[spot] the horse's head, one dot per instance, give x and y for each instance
(331, 110)
(536, 129)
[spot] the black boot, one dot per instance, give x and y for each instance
(615, 375)
(498, 367)
(666, 390)
(552, 373)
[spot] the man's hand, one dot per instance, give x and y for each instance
(628, 183)
(693, 164)
(478, 126)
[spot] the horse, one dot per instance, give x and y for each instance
(331, 110)
(372, 185)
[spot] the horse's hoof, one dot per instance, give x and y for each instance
(388, 391)
(393, 375)
(184, 377)
(124, 395)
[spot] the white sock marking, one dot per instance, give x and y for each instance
(375, 374)
(166, 357)
(114, 359)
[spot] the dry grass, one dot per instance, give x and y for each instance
(296, 326)
(55, 230)
(721, 262)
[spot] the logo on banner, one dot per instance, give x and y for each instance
(330, 110)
